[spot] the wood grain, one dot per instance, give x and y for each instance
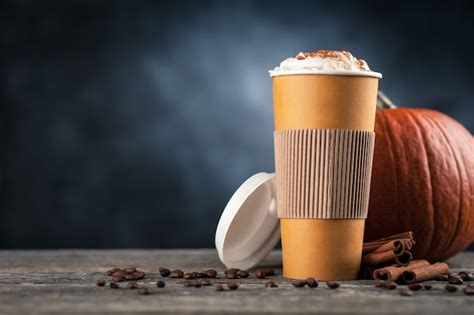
(64, 281)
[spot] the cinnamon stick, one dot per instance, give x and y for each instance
(371, 246)
(376, 258)
(404, 258)
(394, 272)
(425, 272)
(408, 234)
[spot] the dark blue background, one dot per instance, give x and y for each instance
(130, 124)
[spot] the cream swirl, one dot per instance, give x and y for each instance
(324, 62)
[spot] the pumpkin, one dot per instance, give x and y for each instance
(422, 180)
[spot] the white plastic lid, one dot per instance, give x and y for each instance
(248, 228)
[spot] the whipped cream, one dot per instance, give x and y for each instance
(324, 62)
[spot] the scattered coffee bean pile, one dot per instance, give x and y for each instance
(198, 279)
(454, 281)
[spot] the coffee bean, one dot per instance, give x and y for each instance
(427, 286)
(242, 274)
(462, 273)
(471, 285)
(118, 273)
(117, 279)
(233, 270)
(114, 285)
(271, 284)
(130, 270)
(189, 275)
(201, 275)
(442, 278)
(380, 283)
(452, 274)
(333, 285)
(233, 285)
(132, 285)
(466, 276)
(176, 274)
(312, 283)
(469, 290)
(129, 277)
(100, 283)
(196, 283)
(231, 275)
(160, 284)
(219, 287)
(455, 280)
(390, 285)
(139, 274)
(451, 288)
(415, 287)
(206, 282)
(406, 292)
(143, 291)
(211, 273)
(299, 283)
(111, 271)
(164, 272)
(260, 275)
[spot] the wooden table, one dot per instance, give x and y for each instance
(64, 281)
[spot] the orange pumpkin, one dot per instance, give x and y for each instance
(422, 180)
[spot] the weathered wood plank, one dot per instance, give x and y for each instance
(64, 281)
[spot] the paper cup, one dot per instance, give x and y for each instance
(323, 154)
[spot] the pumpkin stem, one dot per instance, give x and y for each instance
(383, 102)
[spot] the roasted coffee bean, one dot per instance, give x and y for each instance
(196, 283)
(118, 273)
(471, 285)
(114, 285)
(143, 291)
(232, 270)
(231, 275)
(466, 276)
(176, 274)
(415, 287)
(452, 274)
(129, 276)
(219, 287)
(139, 274)
(299, 283)
(242, 274)
(160, 284)
(233, 285)
(312, 283)
(206, 282)
(451, 288)
(442, 278)
(469, 290)
(333, 285)
(201, 275)
(390, 285)
(211, 273)
(130, 270)
(406, 292)
(111, 271)
(455, 280)
(164, 272)
(132, 285)
(189, 275)
(100, 283)
(192, 284)
(260, 275)
(117, 279)
(271, 284)
(427, 286)
(380, 283)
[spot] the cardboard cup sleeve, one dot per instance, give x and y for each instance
(323, 173)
